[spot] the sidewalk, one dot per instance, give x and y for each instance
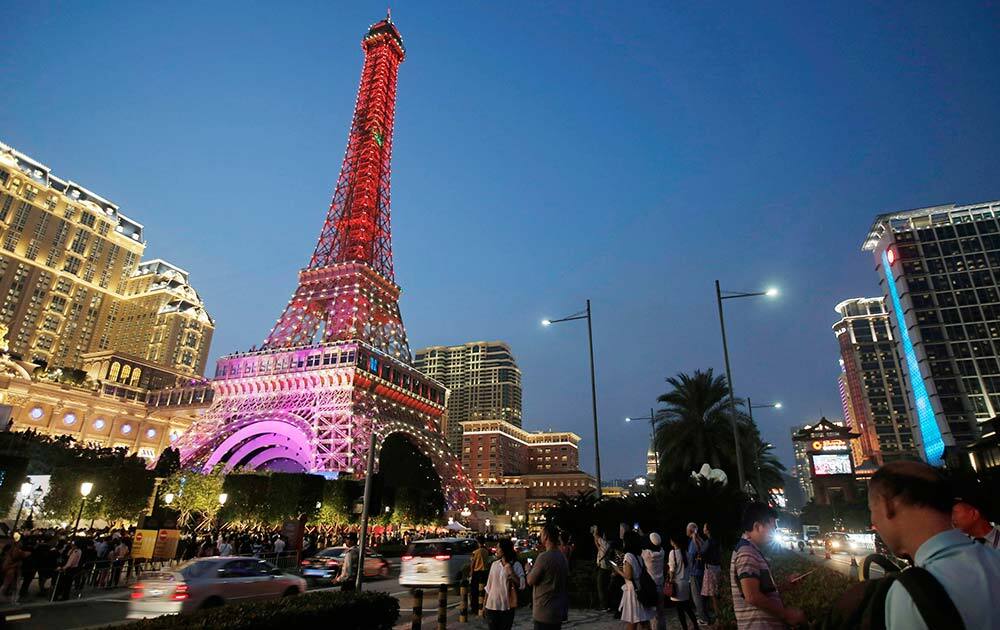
(580, 619)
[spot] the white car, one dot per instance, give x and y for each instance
(437, 561)
(209, 582)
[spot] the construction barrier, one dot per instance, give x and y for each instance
(463, 611)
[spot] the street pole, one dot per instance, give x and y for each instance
(756, 454)
(79, 513)
(18, 517)
(732, 396)
(593, 402)
(363, 538)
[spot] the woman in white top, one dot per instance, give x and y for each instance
(506, 574)
(677, 566)
(634, 614)
(654, 557)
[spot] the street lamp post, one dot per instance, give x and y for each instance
(652, 434)
(223, 497)
(729, 375)
(756, 455)
(593, 384)
(85, 489)
(36, 497)
(24, 493)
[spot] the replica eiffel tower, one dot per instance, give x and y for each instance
(334, 376)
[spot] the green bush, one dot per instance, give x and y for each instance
(323, 609)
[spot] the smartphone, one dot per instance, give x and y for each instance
(635, 526)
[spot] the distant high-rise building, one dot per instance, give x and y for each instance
(71, 281)
(875, 400)
(940, 275)
(801, 470)
(484, 383)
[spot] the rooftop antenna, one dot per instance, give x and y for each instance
(388, 14)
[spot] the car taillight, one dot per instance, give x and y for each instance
(442, 557)
(331, 563)
(305, 563)
(180, 593)
(137, 589)
(407, 558)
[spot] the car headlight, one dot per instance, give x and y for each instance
(835, 544)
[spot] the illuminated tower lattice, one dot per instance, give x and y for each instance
(335, 371)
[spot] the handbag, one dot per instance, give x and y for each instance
(668, 589)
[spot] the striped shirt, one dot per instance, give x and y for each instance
(748, 562)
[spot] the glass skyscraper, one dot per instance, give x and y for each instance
(939, 270)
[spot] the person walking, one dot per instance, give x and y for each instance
(505, 581)
(911, 508)
(634, 614)
(478, 572)
(225, 547)
(713, 572)
(603, 566)
(680, 583)
(757, 604)
(349, 571)
(549, 581)
(68, 571)
(654, 557)
(696, 571)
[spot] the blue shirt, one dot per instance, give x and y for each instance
(697, 567)
(969, 573)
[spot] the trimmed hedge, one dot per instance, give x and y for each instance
(322, 609)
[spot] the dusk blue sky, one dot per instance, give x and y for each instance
(544, 153)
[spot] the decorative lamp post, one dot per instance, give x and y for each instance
(24, 492)
(168, 498)
(719, 297)
(593, 384)
(85, 489)
(223, 497)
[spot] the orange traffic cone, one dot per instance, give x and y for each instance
(853, 572)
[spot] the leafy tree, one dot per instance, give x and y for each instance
(168, 463)
(196, 495)
(339, 495)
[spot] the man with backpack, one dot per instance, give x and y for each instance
(757, 604)
(955, 582)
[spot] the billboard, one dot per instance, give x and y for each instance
(831, 464)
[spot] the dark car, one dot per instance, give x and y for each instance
(325, 565)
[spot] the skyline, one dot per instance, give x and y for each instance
(614, 261)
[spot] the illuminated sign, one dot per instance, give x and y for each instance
(830, 445)
(832, 464)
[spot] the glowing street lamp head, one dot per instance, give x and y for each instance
(546, 322)
(26, 488)
(222, 498)
(777, 405)
(85, 488)
(771, 292)
(168, 498)
(628, 419)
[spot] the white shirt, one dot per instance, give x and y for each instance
(279, 545)
(675, 563)
(654, 564)
(992, 538)
(496, 585)
(225, 549)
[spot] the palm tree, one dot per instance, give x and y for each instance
(694, 428)
(767, 470)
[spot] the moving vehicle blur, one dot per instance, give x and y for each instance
(436, 561)
(207, 583)
(326, 565)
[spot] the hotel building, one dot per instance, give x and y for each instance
(939, 269)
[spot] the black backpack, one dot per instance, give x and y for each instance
(647, 594)
(862, 606)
